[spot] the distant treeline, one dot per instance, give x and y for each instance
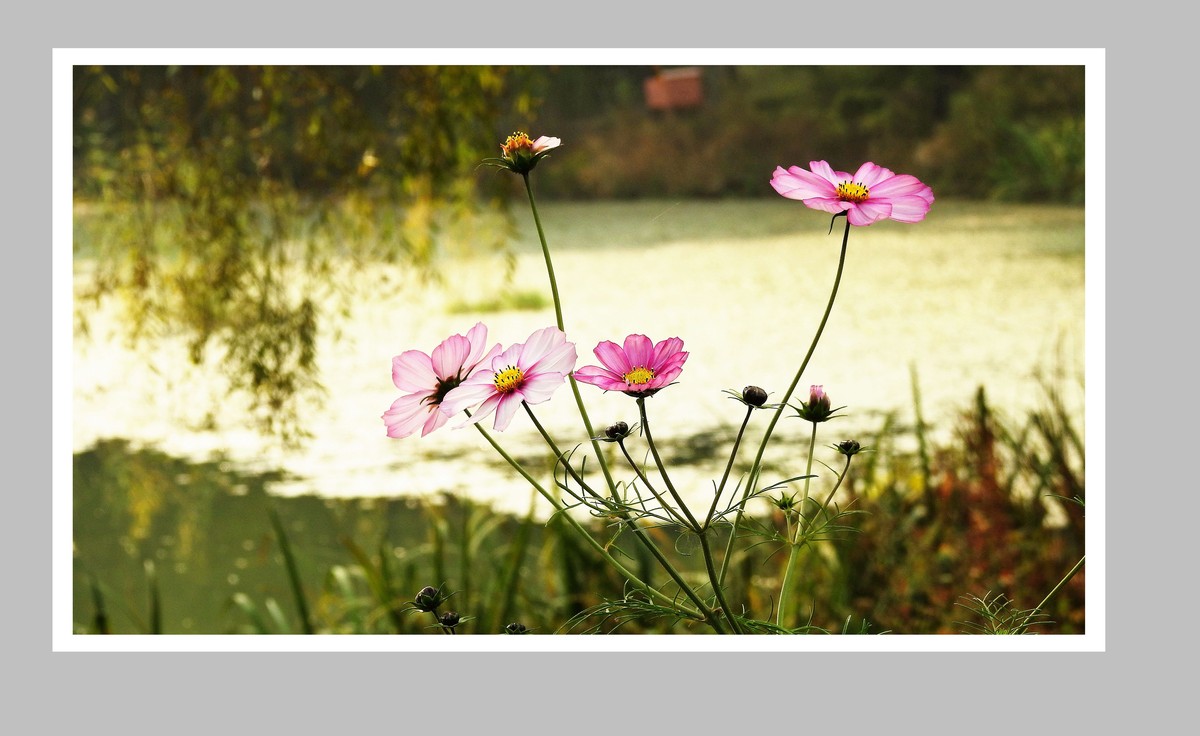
(1013, 133)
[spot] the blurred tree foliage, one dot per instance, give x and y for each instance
(222, 203)
(1010, 133)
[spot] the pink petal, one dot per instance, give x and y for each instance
(668, 375)
(830, 205)
(672, 363)
(470, 392)
(506, 408)
(405, 415)
(823, 170)
(897, 186)
(412, 370)
(665, 350)
(448, 357)
(866, 213)
(436, 419)
(639, 350)
(541, 387)
(909, 209)
(796, 183)
(507, 358)
(484, 411)
(613, 357)
(559, 360)
(539, 345)
(870, 174)
(545, 143)
(600, 377)
(477, 336)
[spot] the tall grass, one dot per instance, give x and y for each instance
(964, 536)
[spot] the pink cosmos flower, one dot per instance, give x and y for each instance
(640, 368)
(521, 153)
(429, 378)
(520, 142)
(872, 194)
(526, 372)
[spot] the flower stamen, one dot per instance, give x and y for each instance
(509, 379)
(518, 141)
(639, 376)
(852, 191)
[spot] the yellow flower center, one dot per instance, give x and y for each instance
(508, 379)
(852, 191)
(639, 376)
(518, 141)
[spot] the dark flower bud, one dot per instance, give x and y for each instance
(516, 628)
(617, 431)
(849, 447)
(754, 396)
(428, 599)
(449, 619)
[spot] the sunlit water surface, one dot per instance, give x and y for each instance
(975, 295)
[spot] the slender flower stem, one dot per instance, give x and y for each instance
(710, 566)
(756, 468)
(1050, 596)
(785, 589)
(825, 504)
(662, 468)
(701, 531)
(638, 531)
(728, 466)
(537, 221)
(634, 579)
(561, 457)
(671, 511)
(812, 446)
(558, 315)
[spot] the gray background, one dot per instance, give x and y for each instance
(1130, 686)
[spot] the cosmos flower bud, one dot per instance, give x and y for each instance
(428, 599)
(516, 628)
(449, 619)
(754, 396)
(818, 407)
(617, 431)
(849, 448)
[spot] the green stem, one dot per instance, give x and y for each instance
(558, 315)
(700, 531)
(1050, 596)
(812, 447)
(785, 589)
(718, 590)
(728, 466)
(634, 579)
(756, 468)
(650, 487)
(639, 533)
(662, 468)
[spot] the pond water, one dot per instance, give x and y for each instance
(977, 295)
